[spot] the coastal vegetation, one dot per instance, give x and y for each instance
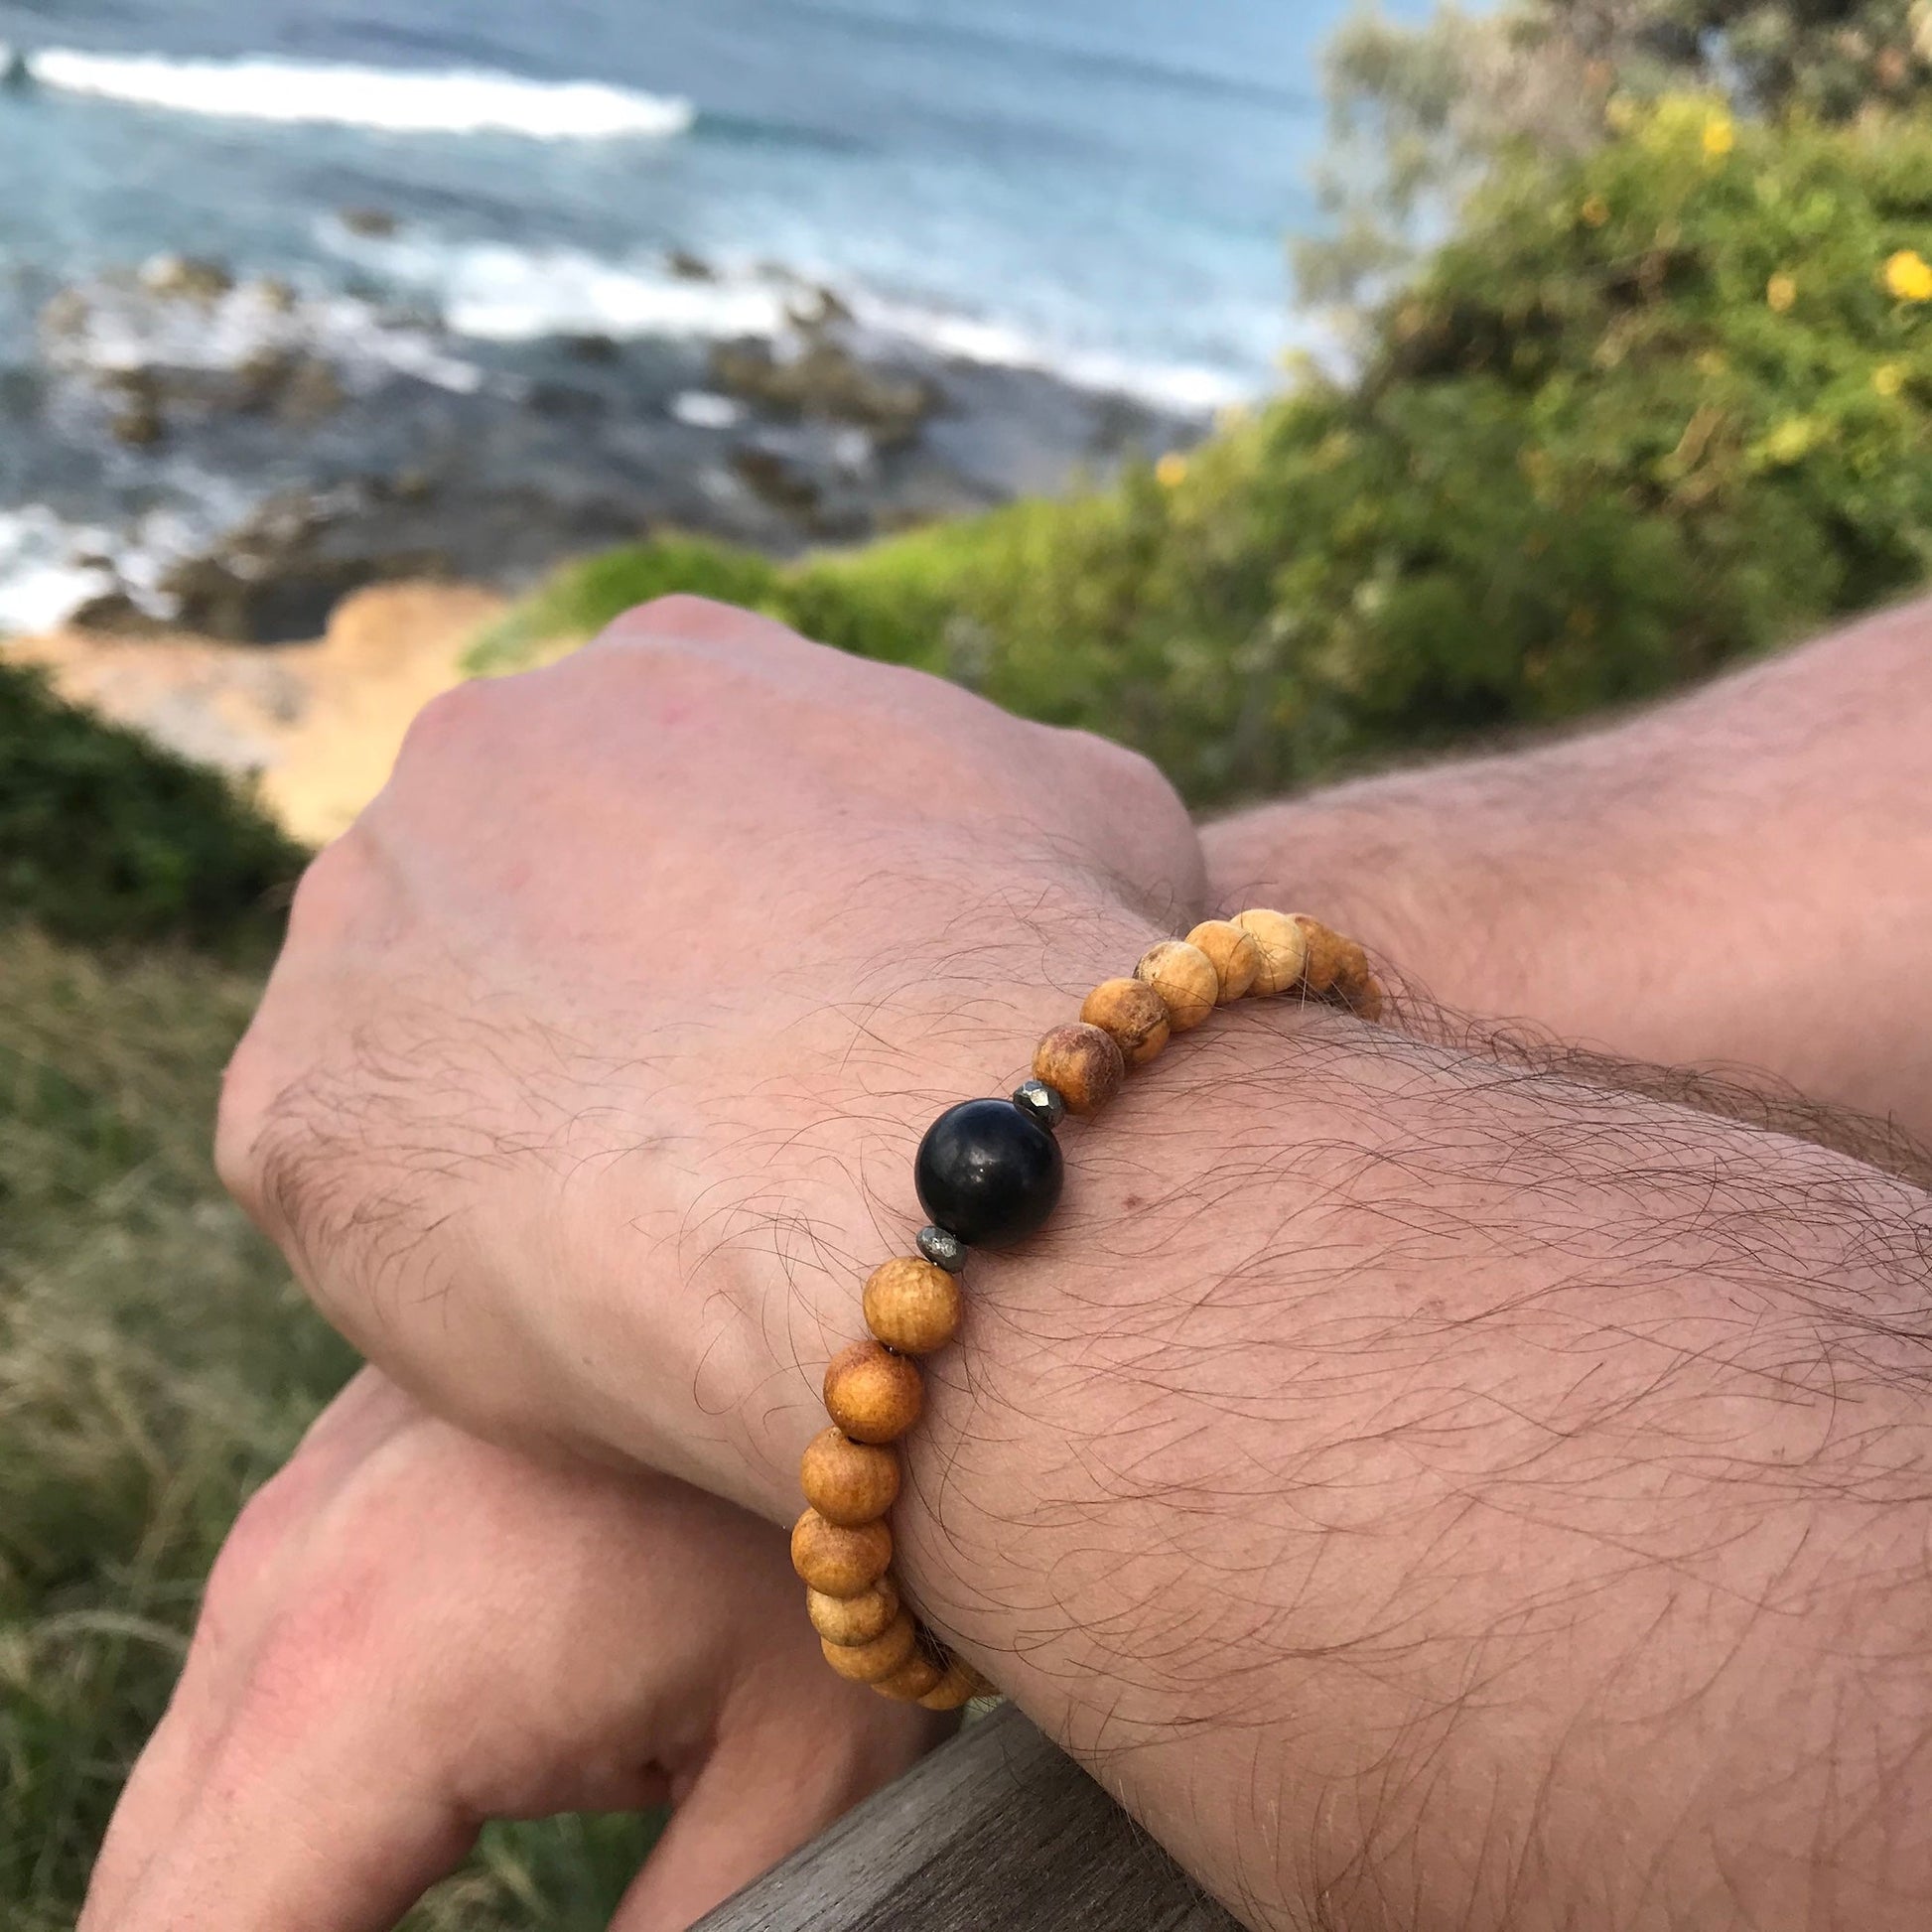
(1658, 403)
(1659, 397)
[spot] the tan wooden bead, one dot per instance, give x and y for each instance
(912, 1304)
(871, 1394)
(854, 1620)
(1281, 944)
(1326, 953)
(1083, 1064)
(1186, 979)
(913, 1680)
(840, 1559)
(1353, 979)
(1368, 998)
(960, 1682)
(867, 1663)
(848, 1482)
(1236, 956)
(1133, 1013)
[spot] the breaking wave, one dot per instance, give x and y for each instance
(387, 100)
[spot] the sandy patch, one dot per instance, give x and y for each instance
(316, 725)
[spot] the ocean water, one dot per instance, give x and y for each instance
(1095, 188)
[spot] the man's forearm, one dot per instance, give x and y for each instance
(1742, 875)
(1432, 1496)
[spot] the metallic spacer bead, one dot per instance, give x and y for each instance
(943, 1250)
(1038, 1101)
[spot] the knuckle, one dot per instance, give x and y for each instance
(680, 614)
(448, 720)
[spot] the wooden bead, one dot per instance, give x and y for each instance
(1082, 1063)
(914, 1679)
(1236, 956)
(1367, 998)
(911, 1306)
(1186, 979)
(867, 1663)
(854, 1620)
(840, 1559)
(871, 1394)
(1282, 945)
(1133, 1013)
(1326, 953)
(848, 1482)
(957, 1686)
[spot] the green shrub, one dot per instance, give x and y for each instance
(105, 835)
(1650, 409)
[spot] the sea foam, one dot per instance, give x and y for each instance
(492, 291)
(390, 101)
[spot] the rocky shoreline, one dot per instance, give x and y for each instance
(289, 448)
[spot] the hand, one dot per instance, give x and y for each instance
(409, 1632)
(587, 1088)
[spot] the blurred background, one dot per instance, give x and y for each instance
(1281, 389)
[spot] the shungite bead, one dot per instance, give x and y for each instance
(1045, 1104)
(987, 1172)
(943, 1250)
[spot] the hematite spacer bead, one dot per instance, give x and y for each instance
(1043, 1103)
(988, 1173)
(943, 1250)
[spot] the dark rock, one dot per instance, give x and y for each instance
(189, 278)
(377, 223)
(818, 308)
(772, 479)
(116, 615)
(825, 382)
(65, 316)
(139, 420)
(296, 388)
(312, 393)
(688, 267)
(277, 578)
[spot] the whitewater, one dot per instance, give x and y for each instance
(388, 102)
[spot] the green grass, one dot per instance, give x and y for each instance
(107, 836)
(156, 1364)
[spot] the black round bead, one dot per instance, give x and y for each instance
(987, 1172)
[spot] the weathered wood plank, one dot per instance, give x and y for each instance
(996, 1832)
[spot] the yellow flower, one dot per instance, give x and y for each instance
(1908, 275)
(1596, 210)
(1791, 440)
(1720, 136)
(1781, 291)
(1171, 469)
(1889, 378)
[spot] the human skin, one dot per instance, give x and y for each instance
(1429, 1492)
(1742, 875)
(411, 1631)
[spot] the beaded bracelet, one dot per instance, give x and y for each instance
(989, 1172)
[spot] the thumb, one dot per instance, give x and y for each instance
(763, 1791)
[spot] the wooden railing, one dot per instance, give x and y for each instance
(994, 1832)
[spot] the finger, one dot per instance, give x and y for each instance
(158, 1792)
(321, 1825)
(765, 1790)
(173, 1767)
